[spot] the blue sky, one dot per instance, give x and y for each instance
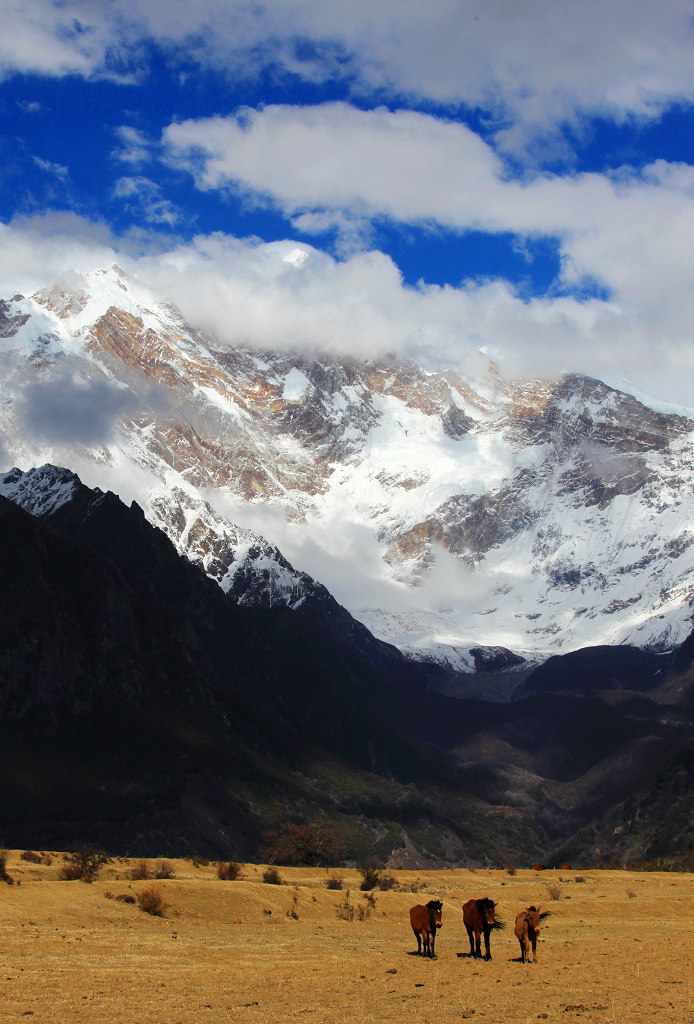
(463, 174)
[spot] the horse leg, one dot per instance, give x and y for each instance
(521, 943)
(472, 943)
(418, 937)
(535, 949)
(478, 945)
(432, 942)
(487, 953)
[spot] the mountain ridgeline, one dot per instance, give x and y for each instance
(467, 520)
(143, 709)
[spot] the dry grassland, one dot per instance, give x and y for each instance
(617, 948)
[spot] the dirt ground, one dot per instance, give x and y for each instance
(616, 948)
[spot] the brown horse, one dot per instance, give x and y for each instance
(478, 918)
(527, 930)
(425, 921)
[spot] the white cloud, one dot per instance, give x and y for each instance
(54, 169)
(145, 195)
(533, 66)
(333, 165)
(135, 148)
(245, 292)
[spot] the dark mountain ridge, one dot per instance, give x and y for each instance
(142, 709)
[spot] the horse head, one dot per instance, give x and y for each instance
(487, 908)
(435, 907)
(534, 917)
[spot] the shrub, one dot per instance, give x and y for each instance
(308, 845)
(123, 897)
(272, 876)
(370, 875)
(140, 871)
(228, 870)
(4, 874)
(345, 910)
(386, 882)
(152, 901)
(293, 912)
(33, 858)
(84, 864)
(554, 892)
(335, 882)
(511, 870)
(165, 869)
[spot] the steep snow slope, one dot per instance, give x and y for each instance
(536, 516)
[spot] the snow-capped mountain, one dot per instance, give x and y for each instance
(447, 515)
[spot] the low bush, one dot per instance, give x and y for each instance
(272, 876)
(228, 870)
(370, 876)
(165, 869)
(32, 857)
(334, 882)
(152, 901)
(5, 876)
(140, 871)
(84, 864)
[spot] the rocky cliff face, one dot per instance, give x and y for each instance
(535, 516)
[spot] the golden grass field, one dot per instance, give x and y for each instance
(617, 948)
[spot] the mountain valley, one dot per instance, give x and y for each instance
(451, 616)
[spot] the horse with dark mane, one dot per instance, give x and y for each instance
(425, 920)
(478, 918)
(527, 930)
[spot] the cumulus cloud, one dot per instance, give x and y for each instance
(630, 232)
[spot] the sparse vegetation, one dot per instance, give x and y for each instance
(554, 892)
(511, 870)
(386, 882)
(83, 864)
(228, 870)
(335, 935)
(334, 882)
(272, 876)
